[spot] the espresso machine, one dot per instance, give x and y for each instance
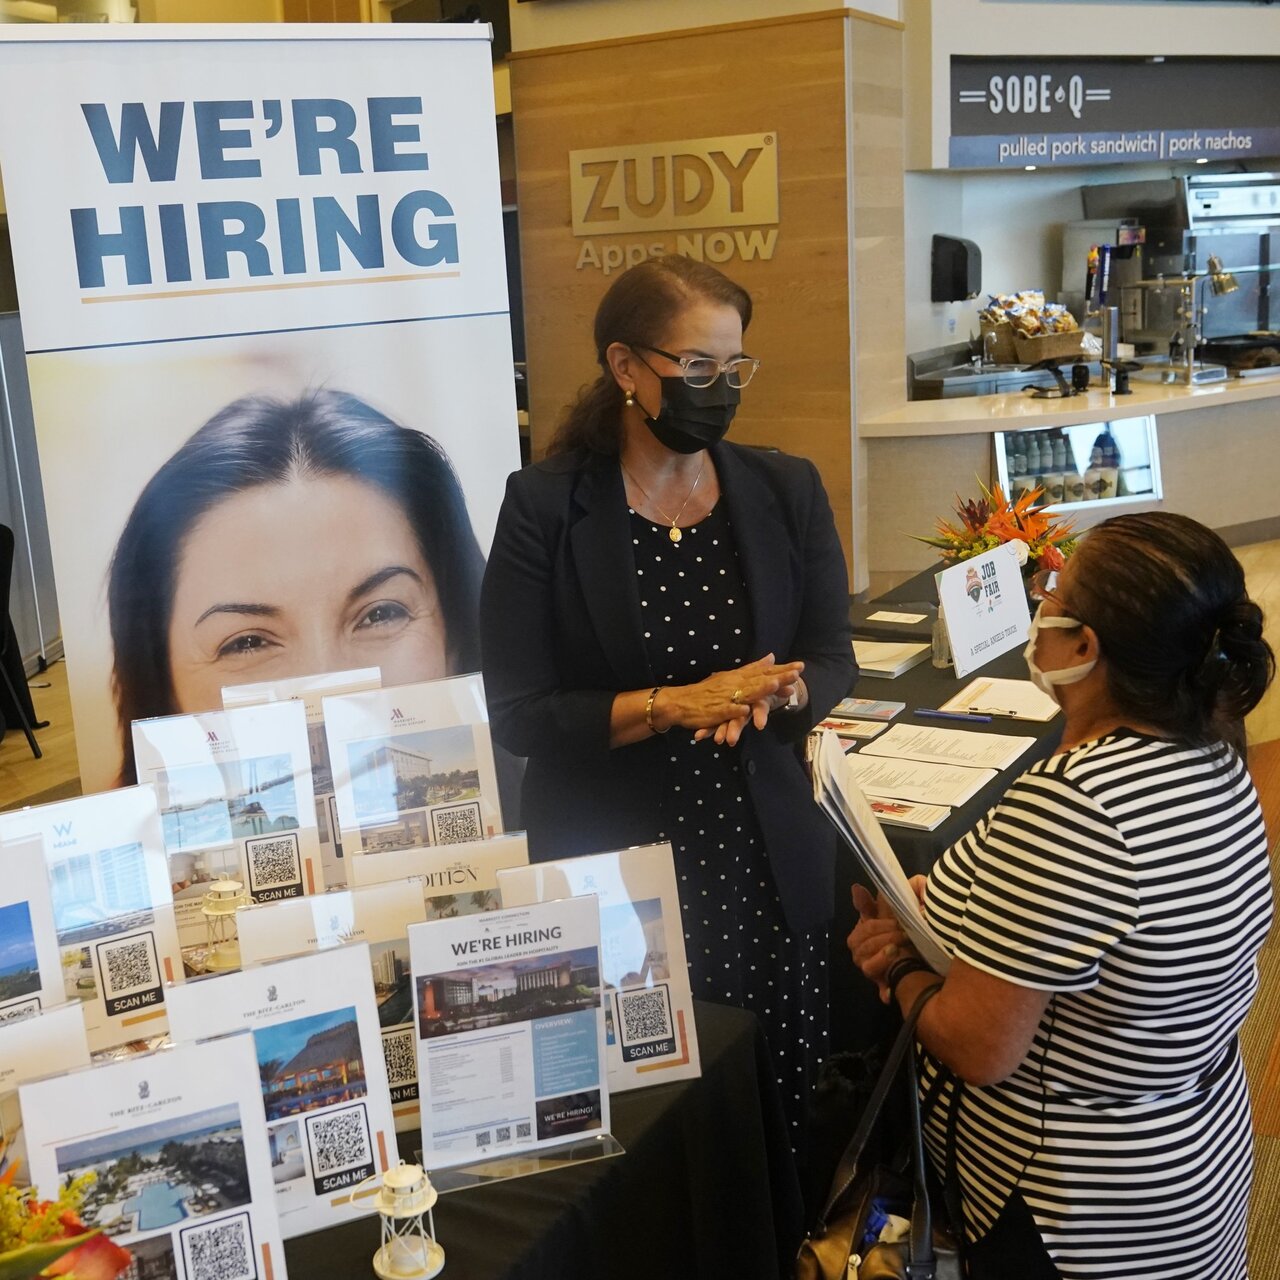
(1190, 267)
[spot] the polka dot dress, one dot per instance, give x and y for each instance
(697, 621)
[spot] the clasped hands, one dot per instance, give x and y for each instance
(722, 705)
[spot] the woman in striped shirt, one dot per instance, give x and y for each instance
(1081, 1069)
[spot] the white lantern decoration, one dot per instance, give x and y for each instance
(409, 1249)
(219, 906)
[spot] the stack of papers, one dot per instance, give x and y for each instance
(850, 730)
(885, 659)
(1015, 699)
(866, 709)
(950, 746)
(840, 798)
(931, 784)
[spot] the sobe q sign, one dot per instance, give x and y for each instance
(155, 241)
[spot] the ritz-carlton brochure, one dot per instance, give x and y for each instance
(113, 916)
(324, 1089)
(236, 802)
(413, 765)
(178, 1151)
(510, 1030)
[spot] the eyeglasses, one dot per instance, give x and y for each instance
(702, 371)
(1043, 585)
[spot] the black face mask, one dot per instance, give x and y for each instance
(692, 418)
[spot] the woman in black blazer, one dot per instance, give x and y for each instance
(649, 577)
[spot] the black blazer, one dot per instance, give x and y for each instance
(561, 635)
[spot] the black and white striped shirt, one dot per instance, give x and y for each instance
(1128, 876)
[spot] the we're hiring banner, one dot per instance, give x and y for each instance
(263, 293)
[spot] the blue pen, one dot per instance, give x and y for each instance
(930, 714)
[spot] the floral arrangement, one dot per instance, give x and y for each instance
(47, 1237)
(1041, 541)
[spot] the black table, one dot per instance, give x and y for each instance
(706, 1188)
(856, 1018)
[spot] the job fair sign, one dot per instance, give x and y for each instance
(228, 239)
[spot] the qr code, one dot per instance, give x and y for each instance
(504, 1133)
(456, 823)
(128, 965)
(339, 1140)
(483, 1138)
(524, 1129)
(273, 862)
(645, 1015)
(222, 1251)
(399, 1050)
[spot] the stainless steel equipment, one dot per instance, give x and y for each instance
(1211, 243)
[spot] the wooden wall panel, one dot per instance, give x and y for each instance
(787, 78)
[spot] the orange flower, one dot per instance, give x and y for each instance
(99, 1258)
(1052, 558)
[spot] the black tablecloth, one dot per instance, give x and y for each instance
(706, 1188)
(856, 1021)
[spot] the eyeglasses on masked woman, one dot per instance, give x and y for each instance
(702, 371)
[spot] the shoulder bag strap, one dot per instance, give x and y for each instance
(847, 1170)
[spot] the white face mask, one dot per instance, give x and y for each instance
(1046, 681)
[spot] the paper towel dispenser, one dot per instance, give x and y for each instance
(957, 269)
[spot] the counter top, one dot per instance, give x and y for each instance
(973, 415)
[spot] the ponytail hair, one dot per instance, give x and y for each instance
(637, 310)
(1182, 640)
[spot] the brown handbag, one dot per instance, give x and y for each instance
(825, 1252)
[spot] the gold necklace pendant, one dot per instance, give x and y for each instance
(675, 535)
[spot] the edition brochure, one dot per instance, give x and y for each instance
(413, 765)
(324, 1090)
(311, 692)
(510, 1031)
(113, 916)
(648, 1005)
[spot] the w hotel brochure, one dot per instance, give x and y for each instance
(30, 966)
(113, 920)
(314, 1030)
(236, 803)
(984, 604)
(413, 765)
(44, 1044)
(378, 916)
(649, 1029)
(178, 1150)
(510, 1030)
(311, 692)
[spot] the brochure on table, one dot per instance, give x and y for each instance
(177, 1143)
(30, 968)
(311, 692)
(915, 780)
(962, 747)
(413, 765)
(378, 915)
(984, 604)
(650, 1037)
(1009, 699)
(236, 802)
(113, 915)
(510, 1030)
(842, 800)
(457, 879)
(48, 1043)
(324, 1087)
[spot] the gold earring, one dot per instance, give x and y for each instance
(629, 399)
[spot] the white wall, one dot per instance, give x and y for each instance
(540, 26)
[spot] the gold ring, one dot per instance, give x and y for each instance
(737, 695)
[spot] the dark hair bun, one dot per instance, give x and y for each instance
(1246, 663)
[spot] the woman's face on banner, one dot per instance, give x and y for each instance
(321, 573)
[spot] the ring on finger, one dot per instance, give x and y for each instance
(737, 695)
